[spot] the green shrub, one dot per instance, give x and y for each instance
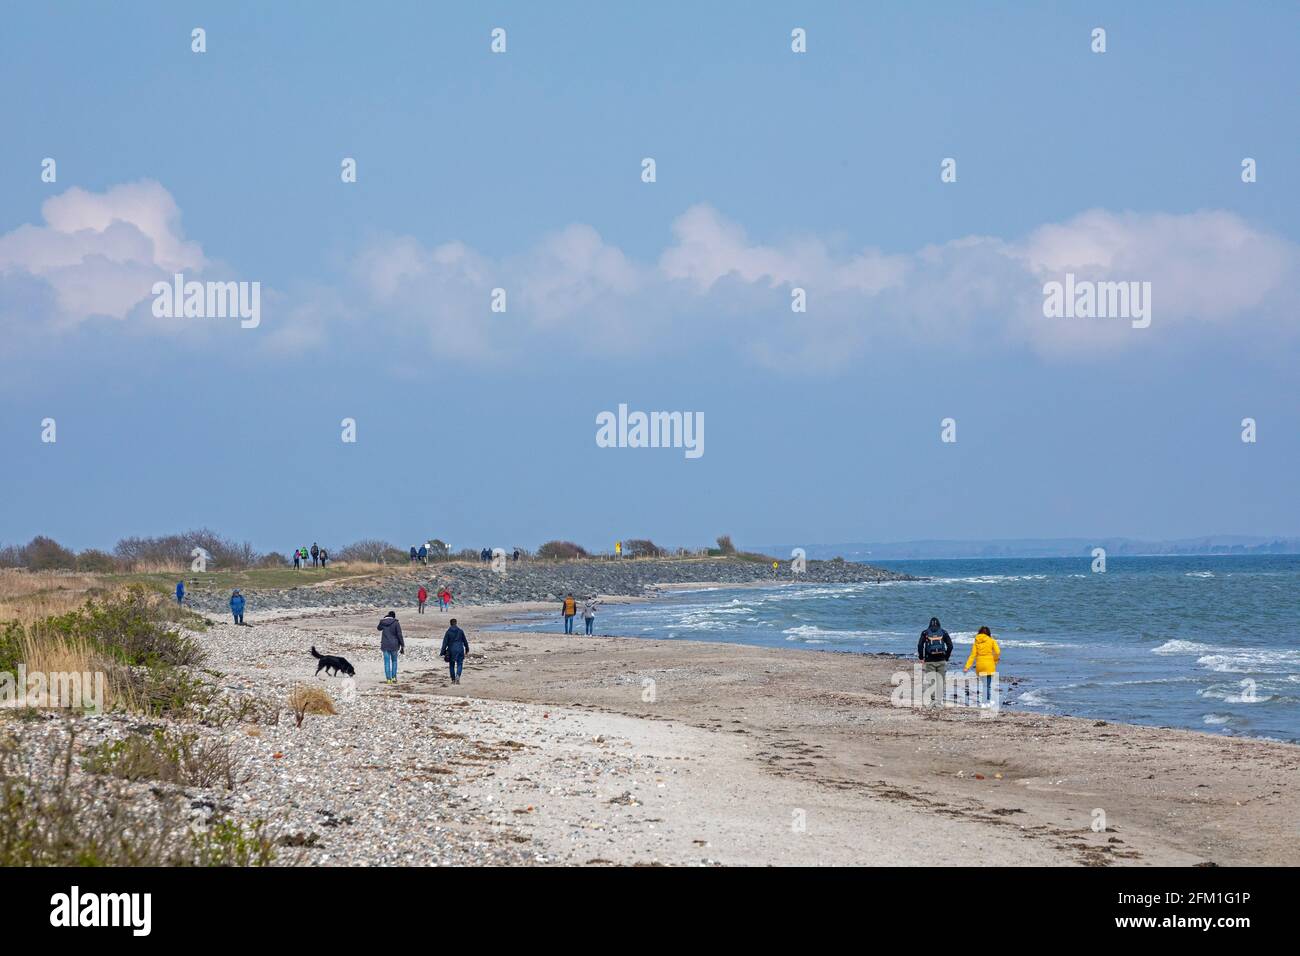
(226, 843)
(132, 628)
(168, 756)
(53, 817)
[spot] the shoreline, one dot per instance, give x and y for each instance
(509, 614)
(738, 747)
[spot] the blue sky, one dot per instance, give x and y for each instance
(775, 170)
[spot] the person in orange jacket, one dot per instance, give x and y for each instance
(984, 654)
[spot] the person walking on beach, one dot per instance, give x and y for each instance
(324, 556)
(934, 648)
(454, 648)
(297, 559)
(423, 554)
(315, 555)
(180, 592)
(391, 643)
(237, 606)
(984, 655)
(421, 596)
(445, 597)
(569, 609)
(589, 613)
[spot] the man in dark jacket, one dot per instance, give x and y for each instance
(454, 648)
(391, 643)
(934, 648)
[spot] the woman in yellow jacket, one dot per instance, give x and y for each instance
(984, 655)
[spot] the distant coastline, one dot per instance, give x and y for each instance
(941, 549)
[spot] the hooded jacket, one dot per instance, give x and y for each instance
(454, 643)
(984, 655)
(237, 603)
(391, 637)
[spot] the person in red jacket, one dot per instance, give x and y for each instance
(422, 595)
(445, 597)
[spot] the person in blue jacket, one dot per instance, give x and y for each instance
(455, 645)
(237, 606)
(180, 592)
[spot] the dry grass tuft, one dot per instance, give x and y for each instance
(304, 700)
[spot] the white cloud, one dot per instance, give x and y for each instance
(100, 252)
(712, 286)
(709, 248)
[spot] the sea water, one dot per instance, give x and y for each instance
(1208, 643)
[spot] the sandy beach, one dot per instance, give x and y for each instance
(609, 750)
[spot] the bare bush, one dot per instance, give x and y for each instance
(642, 548)
(176, 550)
(95, 561)
(372, 550)
(169, 757)
(39, 554)
(561, 550)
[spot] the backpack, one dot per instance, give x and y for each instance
(934, 646)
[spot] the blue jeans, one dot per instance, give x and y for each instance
(455, 665)
(986, 687)
(589, 621)
(390, 664)
(568, 624)
(238, 616)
